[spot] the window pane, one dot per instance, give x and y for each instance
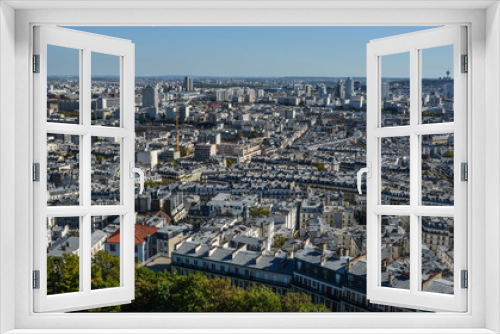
(438, 169)
(395, 252)
(437, 84)
(63, 85)
(105, 170)
(63, 255)
(105, 90)
(437, 255)
(63, 169)
(105, 252)
(395, 89)
(395, 171)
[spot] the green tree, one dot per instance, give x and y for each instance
(105, 271)
(146, 292)
(279, 240)
(300, 302)
(63, 274)
(261, 299)
(151, 183)
(165, 292)
(182, 293)
(319, 166)
(185, 151)
(198, 222)
(73, 233)
(255, 134)
(448, 154)
(256, 211)
(229, 163)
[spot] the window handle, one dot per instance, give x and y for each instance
(368, 171)
(134, 170)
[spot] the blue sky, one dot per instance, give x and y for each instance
(252, 51)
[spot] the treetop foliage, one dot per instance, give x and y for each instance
(165, 292)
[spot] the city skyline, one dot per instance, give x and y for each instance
(252, 52)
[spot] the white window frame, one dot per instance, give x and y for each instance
(85, 44)
(482, 315)
(412, 44)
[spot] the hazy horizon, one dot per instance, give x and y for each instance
(329, 52)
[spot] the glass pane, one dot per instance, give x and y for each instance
(437, 170)
(395, 89)
(437, 84)
(63, 255)
(105, 171)
(63, 85)
(63, 169)
(437, 255)
(105, 252)
(395, 171)
(395, 252)
(105, 89)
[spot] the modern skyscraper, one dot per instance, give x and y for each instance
(308, 90)
(340, 90)
(322, 91)
(349, 87)
(384, 91)
(188, 84)
(150, 97)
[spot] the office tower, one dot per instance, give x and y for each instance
(384, 91)
(341, 90)
(102, 103)
(203, 152)
(349, 87)
(220, 94)
(188, 84)
(308, 90)
(184, 112)
(148, 158)
(322, 91)
(150, 97)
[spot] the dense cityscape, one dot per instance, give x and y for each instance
(254, 179)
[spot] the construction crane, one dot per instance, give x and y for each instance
(177, 124)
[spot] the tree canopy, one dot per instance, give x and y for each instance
(257, 211)
(165, 292)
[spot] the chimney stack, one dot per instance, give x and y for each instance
(323, 260)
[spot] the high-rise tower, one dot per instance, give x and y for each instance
(150, 97)
(349, 87)
(188, 84)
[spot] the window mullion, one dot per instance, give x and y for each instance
(414, 170)
(86, 165)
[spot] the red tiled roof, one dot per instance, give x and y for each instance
(141, 233)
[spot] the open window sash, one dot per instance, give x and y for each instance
(415, 295)
(83, 296)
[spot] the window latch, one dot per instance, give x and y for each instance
(368, 171)
(133, 170)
